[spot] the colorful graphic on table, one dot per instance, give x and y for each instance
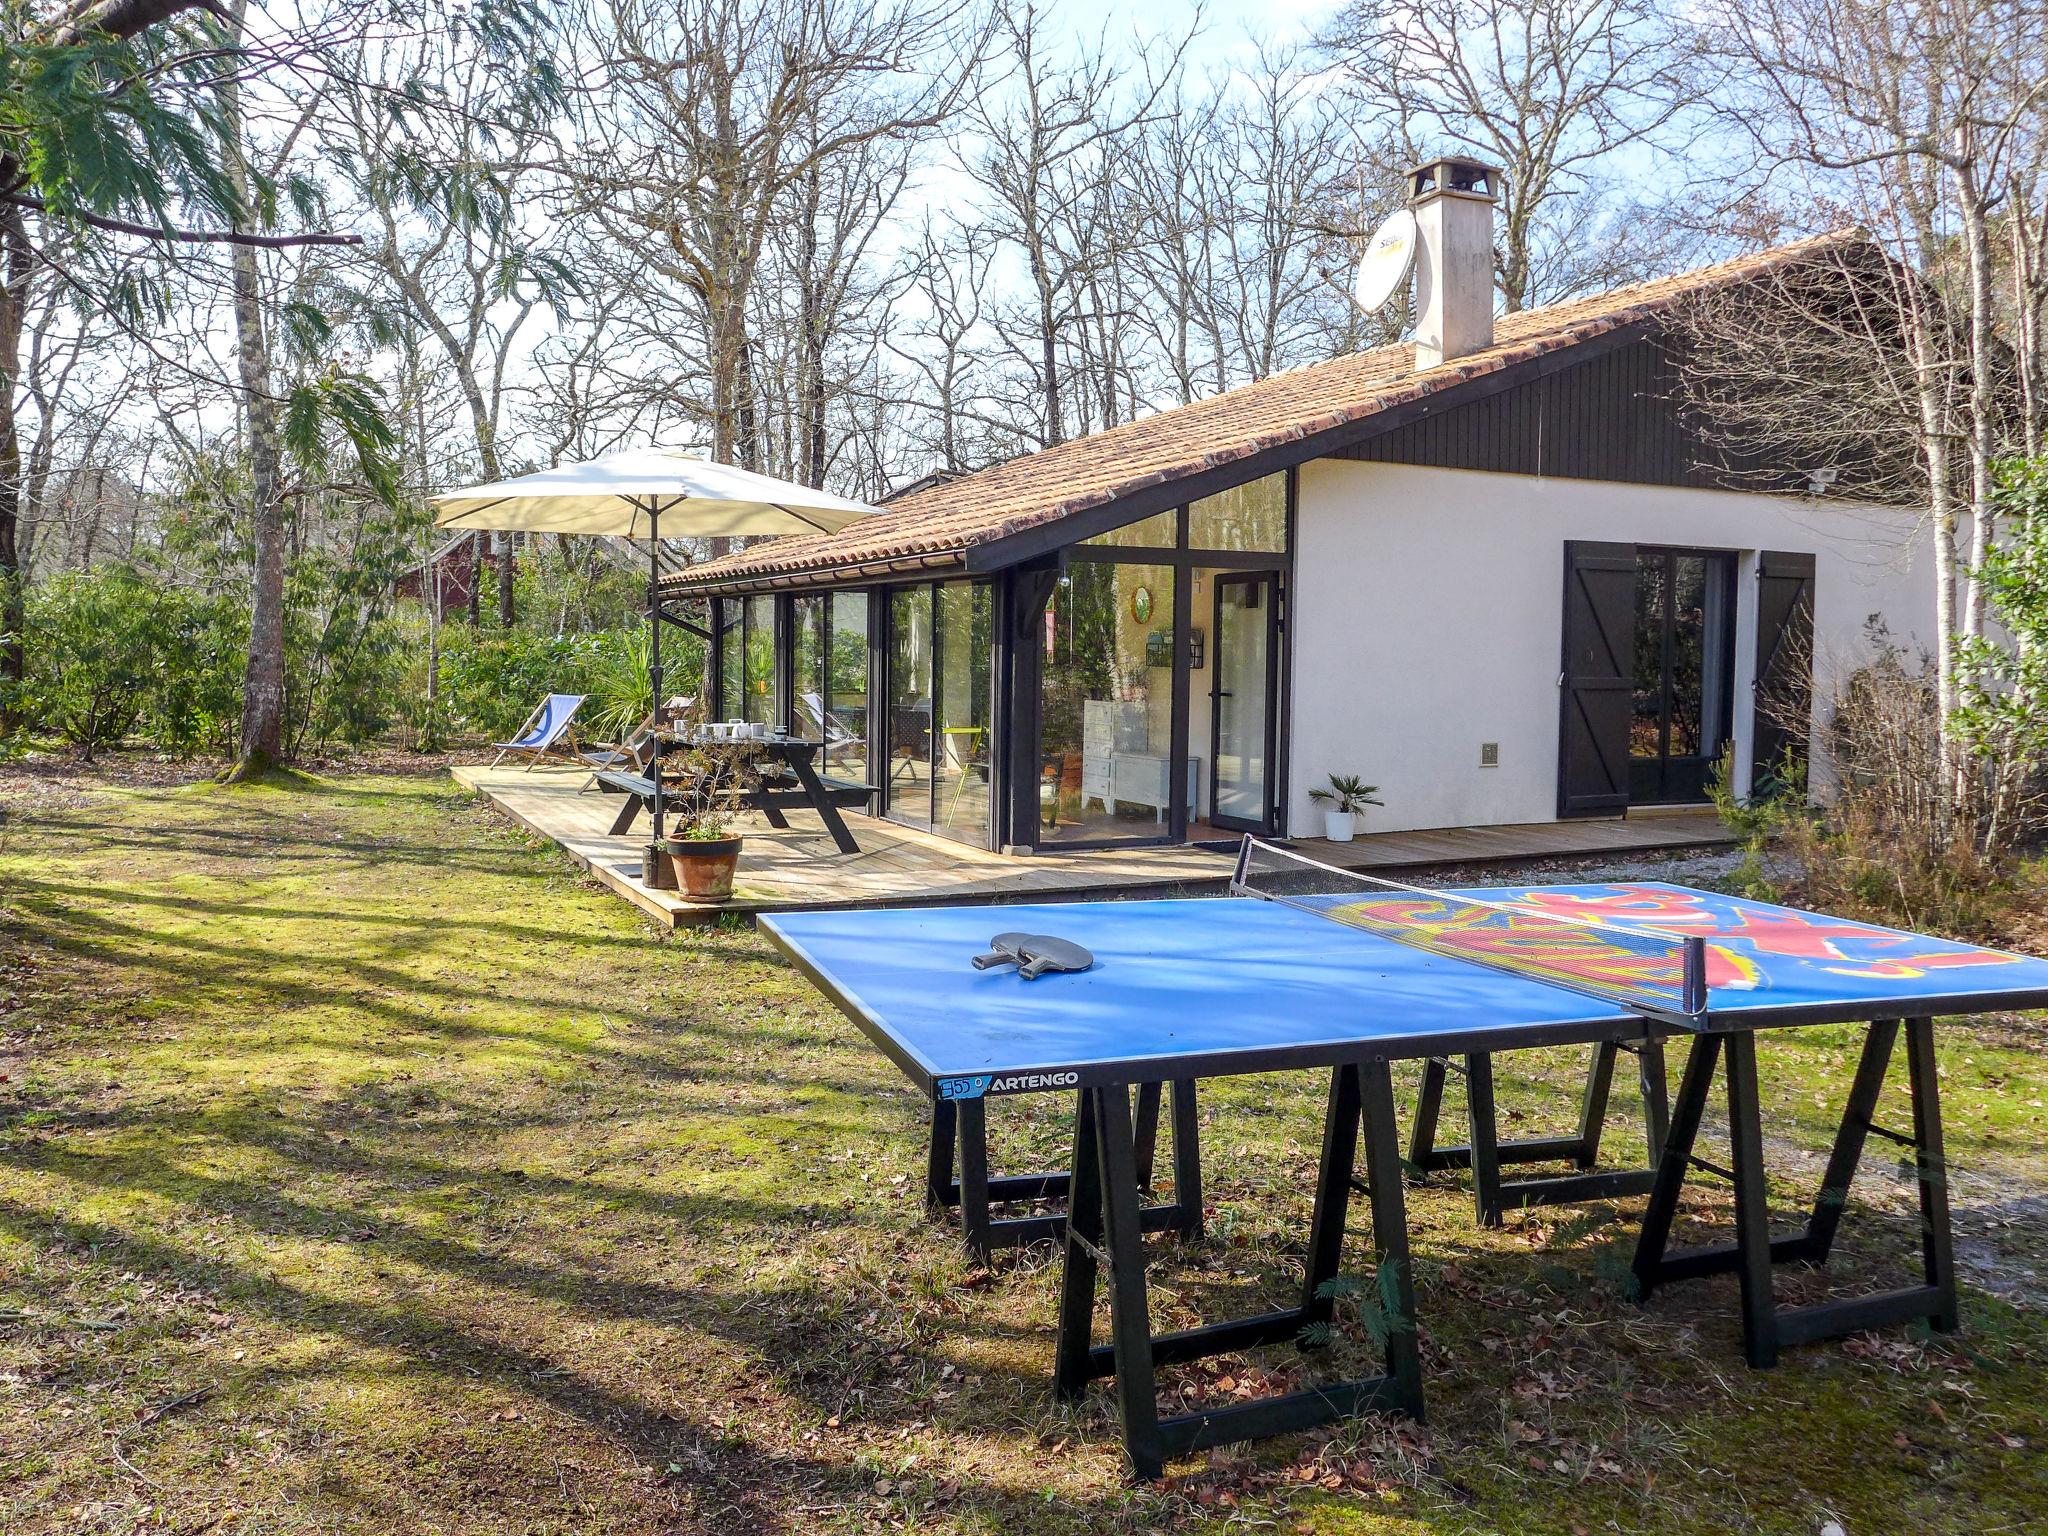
(1584, 957)
(1742, 936)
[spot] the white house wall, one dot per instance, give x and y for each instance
(1428, 610)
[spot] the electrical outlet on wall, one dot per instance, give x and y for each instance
(1489, 754)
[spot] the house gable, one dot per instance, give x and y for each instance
(1611, 414)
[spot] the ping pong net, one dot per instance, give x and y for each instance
(1646, 972)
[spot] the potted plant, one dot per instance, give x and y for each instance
(702, 850)
(1341, 802)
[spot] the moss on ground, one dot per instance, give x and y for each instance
(363, 1169)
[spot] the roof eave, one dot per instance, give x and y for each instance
(1465, 381)
(836, 574)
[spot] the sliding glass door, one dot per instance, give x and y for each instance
(829, 679)
(910, 706)
(940, 708)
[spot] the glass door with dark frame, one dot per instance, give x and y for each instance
(1684, 657)
(1243, 685)
(908, 718)
(940, 708)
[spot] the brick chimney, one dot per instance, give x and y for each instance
(1453, 199)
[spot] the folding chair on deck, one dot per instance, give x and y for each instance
(544, 730)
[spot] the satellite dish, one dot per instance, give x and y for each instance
(1389, 257)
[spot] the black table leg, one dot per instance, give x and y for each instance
(1484, 1153)
(628, 814)
(1850, 1136)
(821, 801)
(972, 1117)
(1766, 1328)
(1593, 1105)
(763, 801)
(1930, 1170)
(1752, 1203)
(1655, 1236)
(1429, 1106)
(1484, 1146)
(1656, 1095)
(1104, 1231)
(1130, 1315)
(1147, 1132)
(1074, 1360)
(1187, 1158)
(959, 1128)
(1402, 1392)
(939, 1189)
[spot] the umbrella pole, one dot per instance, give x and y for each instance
(654, 653)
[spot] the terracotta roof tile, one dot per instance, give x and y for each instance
(945, 520)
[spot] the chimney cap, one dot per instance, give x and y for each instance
(1461, 174)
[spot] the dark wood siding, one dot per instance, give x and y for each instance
(1614, 416)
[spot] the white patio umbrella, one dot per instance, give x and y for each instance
(648, 493)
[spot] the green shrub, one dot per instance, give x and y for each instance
(1758, 821)
(493, 678)
(97, 642)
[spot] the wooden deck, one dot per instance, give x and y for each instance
(799, 868)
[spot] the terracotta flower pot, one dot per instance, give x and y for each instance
(704, 866)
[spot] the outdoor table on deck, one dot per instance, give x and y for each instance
(798, 758)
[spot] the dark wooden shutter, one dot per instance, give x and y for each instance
(1599, 654)
(1784, 665)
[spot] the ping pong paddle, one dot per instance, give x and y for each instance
(1033, 954)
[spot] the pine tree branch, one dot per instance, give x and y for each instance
(189, 236)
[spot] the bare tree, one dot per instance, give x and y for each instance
(705, 115)
(1051, 127)
(1916, 120)
(1238, 188)
(1551, 91)
(456, 251)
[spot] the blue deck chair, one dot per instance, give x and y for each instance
(544, 729)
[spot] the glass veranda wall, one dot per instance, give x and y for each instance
(1112, 731)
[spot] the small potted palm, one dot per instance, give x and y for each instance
(702, 849)
(1345, 797)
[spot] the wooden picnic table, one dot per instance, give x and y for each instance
(796, 784)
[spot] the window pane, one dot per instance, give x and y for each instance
(759, 702)
(910, 705)
(1688, 602)
(1107, 701)
(732, 660)
(807, 667)
(846, 694)
(1246, 517)
(1159, 531)
(961, 768)
(1646, 724)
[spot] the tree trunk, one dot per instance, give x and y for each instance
(263, 677)
(507, 569)
(19, 260)
(262, 744)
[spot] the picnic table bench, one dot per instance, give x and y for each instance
(797, 786)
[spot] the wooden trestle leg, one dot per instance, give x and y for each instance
(960, 1129)
(1104, 1231)
(1485, 1152)
(1766, 1327)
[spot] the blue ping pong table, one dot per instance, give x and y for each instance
(1189, 989)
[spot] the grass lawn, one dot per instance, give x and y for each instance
(362, 1169)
